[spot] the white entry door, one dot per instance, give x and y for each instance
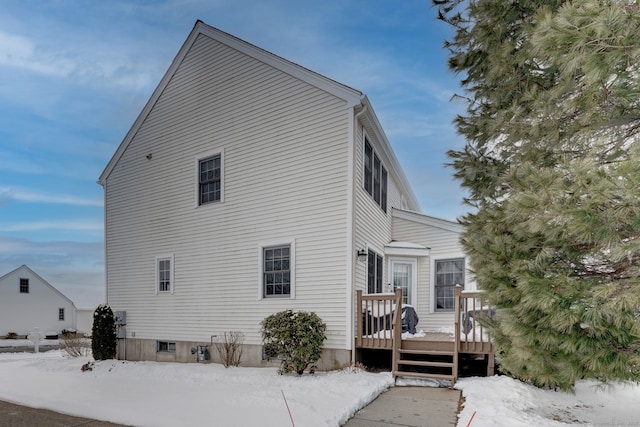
(403, 276)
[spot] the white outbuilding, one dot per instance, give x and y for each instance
(29, 303)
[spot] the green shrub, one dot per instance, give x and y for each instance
(103, 343)
(295, 337)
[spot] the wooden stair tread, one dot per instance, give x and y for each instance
(427, 352)
(426, 363)
(423, 375)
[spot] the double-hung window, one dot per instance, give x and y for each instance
(164, 274)
(210, 177)
(276, 271)
(24, 286)
(210, 180)
(448, 274)
(375, 176)
(61, 314)
(374, 273)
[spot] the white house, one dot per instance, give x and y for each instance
(27, 302)
(248, 185)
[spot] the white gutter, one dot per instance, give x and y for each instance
(351, 309)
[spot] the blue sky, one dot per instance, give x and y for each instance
(75, 74)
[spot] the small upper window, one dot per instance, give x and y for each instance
(164, 274)
(210, 179)
(61, 314)
(24, 286)
(375, 176)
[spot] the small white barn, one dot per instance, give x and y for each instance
(27, 301)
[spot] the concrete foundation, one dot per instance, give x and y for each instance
(135, 349)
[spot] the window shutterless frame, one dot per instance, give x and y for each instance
(164, 283)
(447, 274)
(277, 270)
(209, 178)
(374, 175)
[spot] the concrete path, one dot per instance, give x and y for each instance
(401, 406)
(410, 406)
(21, 416)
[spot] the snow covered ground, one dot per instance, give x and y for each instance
(179, 394)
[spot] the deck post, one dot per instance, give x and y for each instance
(397, 332)
(358, 318)
(456, 331)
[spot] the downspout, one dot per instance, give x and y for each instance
(351, 246)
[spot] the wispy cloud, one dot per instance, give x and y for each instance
(110, 67)
(10, 194)
(80, 225)
(18, 51)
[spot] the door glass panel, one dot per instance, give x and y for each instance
(402, 278)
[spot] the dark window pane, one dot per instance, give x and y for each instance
(368, 166)
(383, 195)
(376, 179)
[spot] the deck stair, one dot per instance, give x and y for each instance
(422, 359)
(434, 355)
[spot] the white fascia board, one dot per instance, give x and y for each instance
(427, 220)
(396, 248)
(352, 96)
(186, 46)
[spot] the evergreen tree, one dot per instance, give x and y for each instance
(103, 334)
(552, 168)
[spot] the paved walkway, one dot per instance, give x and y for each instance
(410, 406)
(401, 406)
(21, 416)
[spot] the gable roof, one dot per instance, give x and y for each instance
(33, 273)
(352, 96)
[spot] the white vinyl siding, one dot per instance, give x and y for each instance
(443, 239)
(372, 224)
(285, 174)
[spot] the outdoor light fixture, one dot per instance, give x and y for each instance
(362, 255)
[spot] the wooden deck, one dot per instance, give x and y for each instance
(434, 355)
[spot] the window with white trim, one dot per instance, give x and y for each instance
(374, 273)
(61, 314)
(375, 176)
(276, 271)
(164, 274)
(448, 274)
(210, 178)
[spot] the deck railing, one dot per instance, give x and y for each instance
(378, 325)
(471, 307)
(378, 319)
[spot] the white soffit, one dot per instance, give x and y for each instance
(405, 249)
